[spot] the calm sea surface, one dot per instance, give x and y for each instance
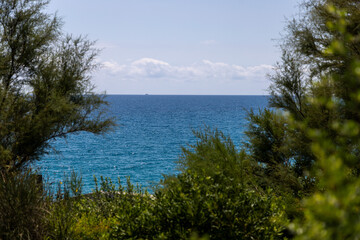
(147, 142)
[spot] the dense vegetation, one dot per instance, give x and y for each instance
(296, 175)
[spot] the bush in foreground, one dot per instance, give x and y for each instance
(23, 206)
(212, 202)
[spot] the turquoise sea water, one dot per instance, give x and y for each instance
(146, 144)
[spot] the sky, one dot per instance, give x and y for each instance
(197, 47)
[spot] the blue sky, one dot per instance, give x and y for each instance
(180, 47)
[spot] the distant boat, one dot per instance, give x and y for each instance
(146, 94)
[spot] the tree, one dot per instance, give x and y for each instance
(270, 147)
(333, 212)
(301, 80)
(45, 88)
(312, 35)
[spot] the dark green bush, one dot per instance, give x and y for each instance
(23, 206)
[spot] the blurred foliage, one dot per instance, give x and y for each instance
(333, 211)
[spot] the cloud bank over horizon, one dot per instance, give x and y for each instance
(159, 77)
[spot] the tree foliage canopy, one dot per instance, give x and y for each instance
(314, 53)
(45, 88)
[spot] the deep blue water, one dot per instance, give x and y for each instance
(148, 140)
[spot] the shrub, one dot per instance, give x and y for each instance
(23, 206)
(63, 209)
(217, 207)
(216, 195)
(213, 197)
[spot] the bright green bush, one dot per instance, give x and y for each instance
(109, 209)
(218, 207)
(63, 210)
(90, 225)
(130, 209)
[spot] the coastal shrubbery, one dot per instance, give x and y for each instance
(211, 202)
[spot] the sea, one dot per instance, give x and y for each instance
(146, 144)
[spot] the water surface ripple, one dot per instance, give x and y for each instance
(147, 142)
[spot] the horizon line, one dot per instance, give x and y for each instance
(149, 94)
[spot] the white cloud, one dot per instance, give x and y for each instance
(153, 76)
(148, 68)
